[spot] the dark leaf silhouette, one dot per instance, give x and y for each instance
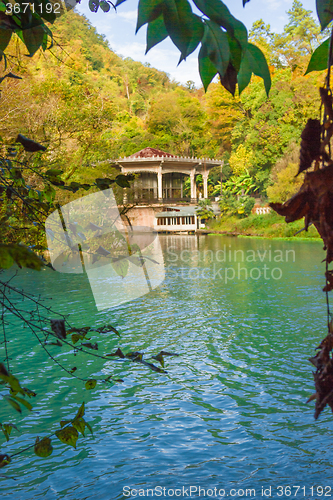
(29, 144)
(329, 281)
(102, 251)
(119, 353)
(10, 75)
(58, 343)
(58, 328)
(314, 201)
(93, 227)
(159, 358)
(4, 460)
(107, 329)
(229, 79)
(91, 346)
(323, 376)
(310, 144)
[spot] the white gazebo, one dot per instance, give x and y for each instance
(161, 173)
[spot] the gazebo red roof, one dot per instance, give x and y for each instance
(150, 152)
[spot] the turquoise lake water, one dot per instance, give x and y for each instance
(231, 412)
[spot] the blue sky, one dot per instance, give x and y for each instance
(119, 28)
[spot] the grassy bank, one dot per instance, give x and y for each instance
(268, 226)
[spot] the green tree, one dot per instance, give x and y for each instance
(272, 124)
(299, 39)
(241, 160)
(204, 210)
(223, 113)
(224, 46)
(284, 182)
(224, 50)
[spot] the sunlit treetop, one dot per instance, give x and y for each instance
(223, 40)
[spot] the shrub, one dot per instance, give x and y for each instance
(241, 207)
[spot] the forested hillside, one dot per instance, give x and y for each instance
(87, 105)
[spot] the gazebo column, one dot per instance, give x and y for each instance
(205, 184)
(193, 185)
(136, 193)
(159, 183)
(125, 198)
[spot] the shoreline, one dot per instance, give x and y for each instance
(212, 232)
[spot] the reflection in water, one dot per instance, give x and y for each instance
(230, 412)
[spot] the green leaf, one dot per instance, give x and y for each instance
(215, 43)
(244, 74)
(13, 403)
(64, 422)
(259, 66)
(68, 435)
(74, 186)
(104, 183)
(76, 337)
(319, 58)
(90, 384)
(23, 402)
(7, 429)
(148, 11)
(325, 12)
(93, 5)
(33, 194)
(235, 52)
(33, 38)
(19, 254)
(53, 172)
(220, 14)
(49, 193)
(105, 6)
(43, 448)
(45, 42)
(179, 22)
(198, 29)
(5, 36)
(253, 62)
(156, 32)
(12, 381)
(207, 69)
(89, 427)
(120, 266)
(80, 412)
(122, 181)
(80, 425)
(6, 259)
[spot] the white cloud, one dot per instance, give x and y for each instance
(273, 4)
(129, 16)
(163, 57)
